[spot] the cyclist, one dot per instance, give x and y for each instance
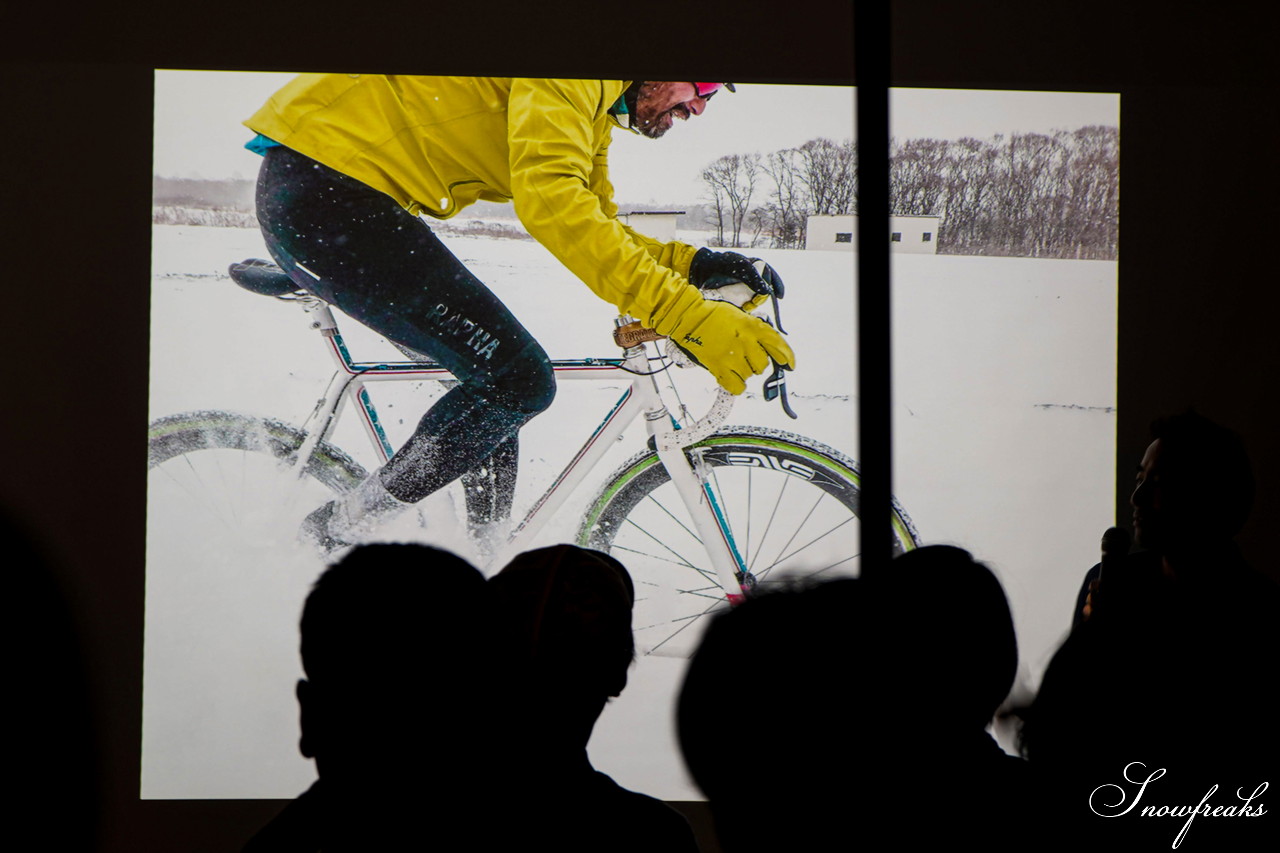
(352, 160)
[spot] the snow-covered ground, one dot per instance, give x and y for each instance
(1004, 416)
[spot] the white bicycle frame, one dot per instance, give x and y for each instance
(641, 398)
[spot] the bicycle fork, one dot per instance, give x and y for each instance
(696, 491)
(709, 521)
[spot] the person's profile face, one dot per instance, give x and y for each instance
(1167, 504)
(658, 105)
(1148, 498)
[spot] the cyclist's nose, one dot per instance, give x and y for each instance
(696, 106)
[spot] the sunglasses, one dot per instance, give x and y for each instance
(706, 90)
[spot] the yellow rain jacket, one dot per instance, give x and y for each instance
(437, 144)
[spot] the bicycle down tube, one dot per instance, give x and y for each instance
(641, 397)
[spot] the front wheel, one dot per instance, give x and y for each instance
(790, 505)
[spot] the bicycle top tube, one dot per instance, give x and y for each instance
(327, 325)
(432, 369)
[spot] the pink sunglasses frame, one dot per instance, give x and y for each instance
(706, 90)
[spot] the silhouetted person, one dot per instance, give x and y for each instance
(945, 649)
(852, 714)
(1172, 659)
(565, 623)
(396, 651)
(770, 715)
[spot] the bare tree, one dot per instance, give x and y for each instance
(1033, 195)
(759, 221)
(828, 171)
(718, 202)
(787, 211)
(731, 180)
(917, 178)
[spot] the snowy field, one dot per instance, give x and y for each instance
(1004, 418)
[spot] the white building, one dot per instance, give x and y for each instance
(915, 234)
(658, 224)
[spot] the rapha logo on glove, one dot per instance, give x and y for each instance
(690, 339)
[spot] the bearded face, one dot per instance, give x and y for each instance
(658, 105)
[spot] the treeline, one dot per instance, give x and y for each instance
(229, 194)
(787, 186)
(1029, 195)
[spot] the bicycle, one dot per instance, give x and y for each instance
(700, 516)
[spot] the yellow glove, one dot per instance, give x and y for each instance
(738, 294)
(733, 345)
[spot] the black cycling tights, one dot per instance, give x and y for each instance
(357, 249)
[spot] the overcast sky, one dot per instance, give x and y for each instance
(198, 131)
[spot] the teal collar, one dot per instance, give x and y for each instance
(620, 112)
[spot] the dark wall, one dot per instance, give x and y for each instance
(1199, 128)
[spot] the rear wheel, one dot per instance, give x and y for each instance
(229, 479)
(790, 505)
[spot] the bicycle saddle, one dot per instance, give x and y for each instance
(262, 277)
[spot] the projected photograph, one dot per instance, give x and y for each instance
(284, 412)
(1004, 230)
(250, 377)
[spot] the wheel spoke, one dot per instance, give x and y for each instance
(688, 622)
(785, 500)
(205, 486)
(772, 515)
(712, 592)
(682, 562)
(834, 565)
(215, 477)
(794, 534)
(679, 558)
(672, 516)
(818, 538)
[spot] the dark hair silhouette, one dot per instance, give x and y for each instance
(565, 613)
(1211, 469)
(775, 700)
(946, 620)
(366, 611)
(851, 702)
(396, 647)
(564, 616)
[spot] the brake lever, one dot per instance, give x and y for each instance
(775, 386)
(777, 313)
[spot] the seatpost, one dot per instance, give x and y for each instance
(322, 317)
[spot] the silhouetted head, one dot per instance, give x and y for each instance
(565, 617)
(1194, 484)
(395, 650)
(772, 709)
(946, 648)
(849, 692)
